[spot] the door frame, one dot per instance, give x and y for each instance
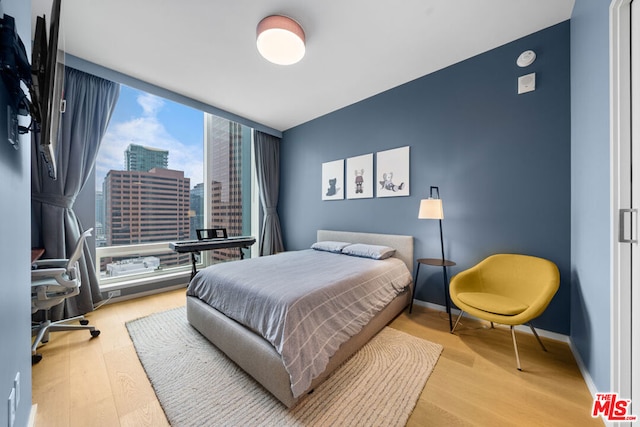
(620, 134)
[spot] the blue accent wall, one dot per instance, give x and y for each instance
(590, 189)
(501, 161)
(15, 232)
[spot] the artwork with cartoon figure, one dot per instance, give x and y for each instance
(332, 190)
(359, 180)
(392, 173)
(387, 183)
(333, 180)
(360, 186)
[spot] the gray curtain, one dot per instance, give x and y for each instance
(90, 101)
(267, 151)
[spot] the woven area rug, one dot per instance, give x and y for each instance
(197, 385)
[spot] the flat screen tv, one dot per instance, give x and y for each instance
(47, 70)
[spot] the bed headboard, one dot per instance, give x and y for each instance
(402, 244)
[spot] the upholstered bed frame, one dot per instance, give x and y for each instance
(258, 358)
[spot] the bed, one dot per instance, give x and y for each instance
(259, 357)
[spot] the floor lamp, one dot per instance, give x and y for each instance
(431, 208)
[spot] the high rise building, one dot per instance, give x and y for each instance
(143, 159)
(196, 213)
(99, 229)
(225, 161)
(145, 207)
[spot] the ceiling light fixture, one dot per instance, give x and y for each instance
(280, 40)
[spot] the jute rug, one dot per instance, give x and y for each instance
(197, 385)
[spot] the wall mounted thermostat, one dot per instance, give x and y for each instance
(526, 83)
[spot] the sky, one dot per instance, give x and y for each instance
(144, 119)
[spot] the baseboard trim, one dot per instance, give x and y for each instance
(32, 415)
(140, 294)
(583, 370)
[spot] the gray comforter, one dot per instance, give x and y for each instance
(305, 303)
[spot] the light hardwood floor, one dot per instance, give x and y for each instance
(100, 382)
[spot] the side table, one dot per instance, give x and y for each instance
(436, 262)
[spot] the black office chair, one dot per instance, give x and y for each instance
(53, 281)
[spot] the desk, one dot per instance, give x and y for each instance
(36, 253)
(436, 262)
(195, 246)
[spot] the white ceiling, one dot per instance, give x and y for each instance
(205, 49)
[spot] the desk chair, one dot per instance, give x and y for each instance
(53, 281)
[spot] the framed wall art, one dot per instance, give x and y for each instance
(392, 172)
(333, 180)
(359, 177)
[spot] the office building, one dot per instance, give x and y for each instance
(145, 207)
(225, 167)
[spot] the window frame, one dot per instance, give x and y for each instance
(85, 203)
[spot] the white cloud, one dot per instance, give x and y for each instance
(150, 132)
(150, 104)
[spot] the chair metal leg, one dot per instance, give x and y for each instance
(40, 334)
(537, 337)
(457, 320)
(492, 326)
(515, 347)
(42, 330)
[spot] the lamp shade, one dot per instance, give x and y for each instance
(280, 40)
(431, 209)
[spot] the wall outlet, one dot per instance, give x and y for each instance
(11, 410)
(113, 294)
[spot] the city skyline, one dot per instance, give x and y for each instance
(148, 203)
(150, 179)
(147, 120)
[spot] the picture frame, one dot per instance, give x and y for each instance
(360, 177)
(392, 172)
(333, 180)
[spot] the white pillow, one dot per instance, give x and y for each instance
(369, 251)
(330, 246)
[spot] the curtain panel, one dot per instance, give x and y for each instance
(267, 152)
(90, 101)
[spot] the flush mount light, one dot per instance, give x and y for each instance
(280, 40)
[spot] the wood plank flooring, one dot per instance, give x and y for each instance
(100, 382)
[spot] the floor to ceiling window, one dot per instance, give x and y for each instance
(163, 171)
